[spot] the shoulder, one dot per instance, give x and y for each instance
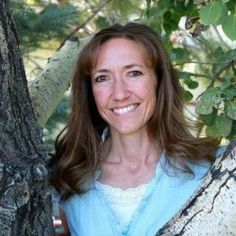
(79, 202)
(88, 192)
(220, 151)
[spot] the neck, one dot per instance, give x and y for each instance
(128, 149)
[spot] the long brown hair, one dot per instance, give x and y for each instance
(77, 147)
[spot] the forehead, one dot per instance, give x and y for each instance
(121, 43)
(120, 50)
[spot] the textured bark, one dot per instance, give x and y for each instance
(212, 209)
(25, 204)
(47, 90)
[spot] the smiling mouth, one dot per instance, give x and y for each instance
(124, 110)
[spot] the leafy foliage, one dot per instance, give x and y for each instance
(42, 22)
(213, 57)
(211, 13)
(229, 26)
(220, 12)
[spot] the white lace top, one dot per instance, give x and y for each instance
(123, 203)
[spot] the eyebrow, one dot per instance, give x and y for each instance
(132, 65)
(125, 67)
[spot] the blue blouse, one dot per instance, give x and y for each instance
(90, 215)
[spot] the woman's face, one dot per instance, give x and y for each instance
(124, 86)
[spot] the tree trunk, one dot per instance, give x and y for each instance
(25, 203)
(48, 88)
(211, 209)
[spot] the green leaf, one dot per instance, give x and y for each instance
(232, 135)
(188, 96)
(231, 109)
(209, 119)
(167, 27)
(191, 83)
(167, 15)
(221, 128)
(164, 4)
(102, 22)
(223, 124)
(228, 93)
(161, 7)
(184, 75)
(179, 55)
(208, 100)
(148, 3)
(153, 23)
(170, 21)
(231, 6)
(226, 83)
(211, 131)
(186, 9)
(217, 52)
(229, 26)
(224, 12)
(148, 8)
(227, 56)
(210, 13)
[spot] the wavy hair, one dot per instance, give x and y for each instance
(77, 146)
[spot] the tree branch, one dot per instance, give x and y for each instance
(220, 71)
(50, 85)
(203, 63)
(200, 75)
(220, 37)
(216, 76)
(85, 22)
(35, 63)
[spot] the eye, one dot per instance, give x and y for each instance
(100, 78)
(135, 73)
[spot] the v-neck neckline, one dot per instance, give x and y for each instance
(126, 229)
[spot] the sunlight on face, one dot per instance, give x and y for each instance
(124, 86)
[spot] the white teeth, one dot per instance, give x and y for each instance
(124, 110)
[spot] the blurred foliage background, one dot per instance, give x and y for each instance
(199, 35)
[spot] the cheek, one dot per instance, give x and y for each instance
(99, 97)
(152, 95)
(149, 89)
(153, 88)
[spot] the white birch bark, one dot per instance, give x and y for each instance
(212, 209)
(47, 90)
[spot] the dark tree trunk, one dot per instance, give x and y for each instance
(25, 203)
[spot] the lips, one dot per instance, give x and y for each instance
(126, 109)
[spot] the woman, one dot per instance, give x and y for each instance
(127, 160)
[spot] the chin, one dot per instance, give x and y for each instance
(128, 130)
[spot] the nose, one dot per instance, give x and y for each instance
(120, 90)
